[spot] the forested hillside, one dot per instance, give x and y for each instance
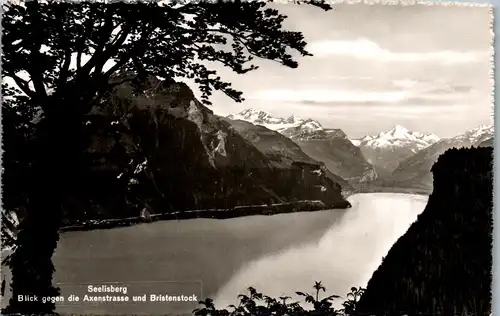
(442, 265)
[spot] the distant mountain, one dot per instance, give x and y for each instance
(330, 146)
(281, 150)
(265, 119)
(386, 149)
(443, 264)
(415, 170)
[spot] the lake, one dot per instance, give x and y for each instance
(277, 254)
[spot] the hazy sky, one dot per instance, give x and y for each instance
(424, 67)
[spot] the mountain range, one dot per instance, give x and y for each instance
(330, 146)
(396, 158)
(265, 119)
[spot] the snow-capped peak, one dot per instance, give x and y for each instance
(477, 134)
(398, 132)
(293, 119)
(397, 136)
(267, 120)
(292, 127)
(252, 115)
(481, 130)
(310, 129)
(311, 125)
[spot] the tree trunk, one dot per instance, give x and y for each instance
(54, 176)
(31, 264)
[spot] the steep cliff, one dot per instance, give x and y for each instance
(153, 143)
(442, 265)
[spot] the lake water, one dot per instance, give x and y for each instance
(277, 254)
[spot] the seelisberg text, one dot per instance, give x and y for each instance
(107, 289)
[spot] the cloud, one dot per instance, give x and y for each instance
(365, 49)
(407, 92)
(452, 89)
(410, 101)
(330, 95)
(436, 88)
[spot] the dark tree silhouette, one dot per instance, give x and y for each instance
(57, 54)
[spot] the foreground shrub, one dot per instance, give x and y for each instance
(257, 304)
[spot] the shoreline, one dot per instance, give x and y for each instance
(235, 212)
(422, 191)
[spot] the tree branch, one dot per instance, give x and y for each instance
(134, 50)
(105, 33)
(22, 84)
(64, 73)
(112, 50)
(35, 68)
(61, 13)
(79, 61)
(88, 27)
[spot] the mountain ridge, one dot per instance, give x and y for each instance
(415, 170)
(397, 136)
(327, 145)
(386, 149)
(281, 150)
(265, 119)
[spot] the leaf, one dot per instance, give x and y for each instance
(310, 299)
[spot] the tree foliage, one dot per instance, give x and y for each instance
(61, 57)
(50, 42)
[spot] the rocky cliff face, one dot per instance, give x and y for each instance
(157, 144)
(442, 265)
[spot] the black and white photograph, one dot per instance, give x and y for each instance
(247, 158)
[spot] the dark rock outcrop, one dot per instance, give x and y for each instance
(442, 265)
(153, 144)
